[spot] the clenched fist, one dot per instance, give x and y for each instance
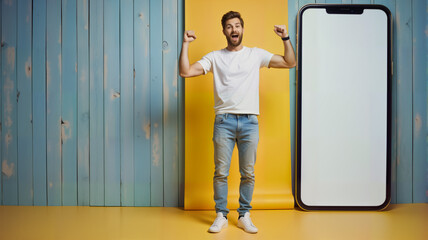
(281, 30)
(189, 36)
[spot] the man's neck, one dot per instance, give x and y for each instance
(234, 48)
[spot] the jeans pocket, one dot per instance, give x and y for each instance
(254, 119)
(219, 119)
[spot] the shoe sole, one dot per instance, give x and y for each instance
(243, 228)
(224, 226)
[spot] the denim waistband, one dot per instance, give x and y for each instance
(236, 115)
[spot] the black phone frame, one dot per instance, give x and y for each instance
(342, 9)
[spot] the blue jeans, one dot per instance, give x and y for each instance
(229, 129)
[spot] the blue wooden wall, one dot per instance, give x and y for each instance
(410, 82)
(92, 105)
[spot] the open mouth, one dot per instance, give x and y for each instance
(235, 36)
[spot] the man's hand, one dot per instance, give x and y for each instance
(281, 30)
(189, 36)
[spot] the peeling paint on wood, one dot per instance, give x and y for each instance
(66, 132)
(8, 169)
(418, 124)
(28, 68)
(114, 94)
(83, 76)
(155, 150)
(7, 139)
(10, 58)
(8, 123)
(8, 87)
(146, 129)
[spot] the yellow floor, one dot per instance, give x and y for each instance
(403, 221)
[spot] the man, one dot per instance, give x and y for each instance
(236, 96)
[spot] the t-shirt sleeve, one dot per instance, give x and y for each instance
(265, 57)
(207, 62)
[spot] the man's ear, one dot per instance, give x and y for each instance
(223, 32)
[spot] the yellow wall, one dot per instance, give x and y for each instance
(273, 168)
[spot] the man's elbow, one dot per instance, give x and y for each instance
(184, 74)
(287, 63)
(290, 64)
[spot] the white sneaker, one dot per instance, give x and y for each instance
(246, 224)
(220, 222)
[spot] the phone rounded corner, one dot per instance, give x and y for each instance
(304, 8)
(385, 204)
(301, 204)
(383, 8)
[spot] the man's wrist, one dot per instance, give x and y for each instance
(285, 38)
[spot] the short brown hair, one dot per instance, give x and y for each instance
(230, 15)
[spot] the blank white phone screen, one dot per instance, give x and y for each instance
(344, 108)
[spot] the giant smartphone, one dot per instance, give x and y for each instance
(343, 107)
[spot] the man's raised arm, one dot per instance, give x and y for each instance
(289, 59)
(187, 70)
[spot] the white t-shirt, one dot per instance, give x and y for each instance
(236, 78)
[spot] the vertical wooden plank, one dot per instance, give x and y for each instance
(320, 1)
(395, 137)
(39, 103)
(9, 132)
(1, 102)
(96, 101)
(404, 98)
(24, 99)
(180, 32)
(127, 102)
(82, 103)
(142, 103)
(293, 9)
(426, 79)
(53, 102)
(170, 107)
(69, 104)
(420, 77)
(156, 100)
(111, 103)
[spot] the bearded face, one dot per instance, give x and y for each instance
(233, 32)
(234, 39)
